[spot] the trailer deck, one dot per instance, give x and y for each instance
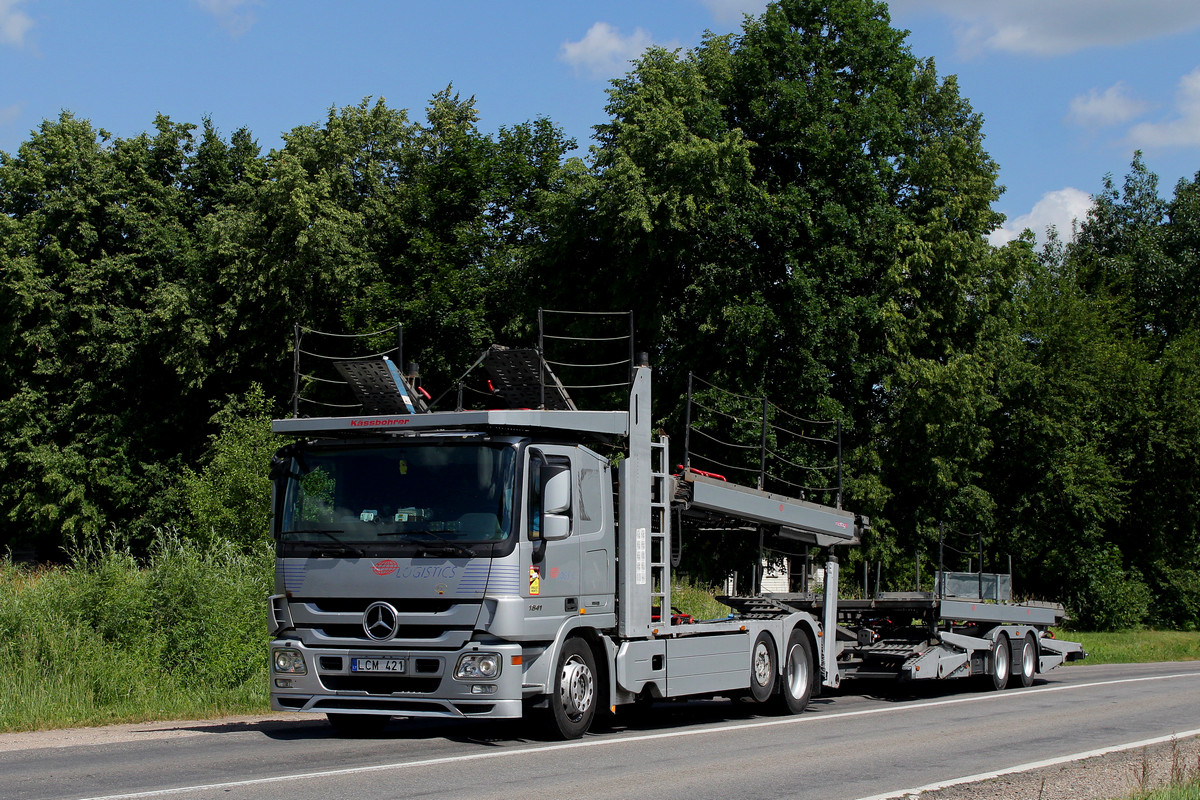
(929, 605)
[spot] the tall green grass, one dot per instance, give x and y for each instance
(1183, 781)
(110, 639)
(697, 600)
(1190, 791)
(1136, 646)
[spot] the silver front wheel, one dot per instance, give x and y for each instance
(574, 700)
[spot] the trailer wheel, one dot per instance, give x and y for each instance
(763, 668)
(1029, 656)
(358, 724)
(798, 674)
(574, 699)
(1001, 662)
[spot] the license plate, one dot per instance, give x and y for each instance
(377, 665)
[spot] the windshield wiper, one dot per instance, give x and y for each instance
(329, 534)
(442, 545)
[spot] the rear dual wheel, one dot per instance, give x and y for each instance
(763, 668)
(789, 690)
(1029, 660)
(799, 672)
(1004, 669)
(1001, 663)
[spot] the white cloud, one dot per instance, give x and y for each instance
(1184, 130)
(725, 11)
(1060, 208)
(1113, 106)
(232, 15)
(14, 23)
(604, 52)
(1038, 27)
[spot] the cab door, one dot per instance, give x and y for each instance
(550, 546)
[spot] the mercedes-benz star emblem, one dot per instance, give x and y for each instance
(379, 621)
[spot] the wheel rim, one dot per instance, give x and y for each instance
(797, 672)
(1001, 661)
(1027, 659)
(577, 688)
(762, 664)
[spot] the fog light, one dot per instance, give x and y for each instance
(483, 688)
(478, 665)
(283, 683)
(287, 659)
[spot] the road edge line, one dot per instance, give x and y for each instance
(1032, 765)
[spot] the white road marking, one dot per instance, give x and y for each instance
(1032, 765)
(801, 719)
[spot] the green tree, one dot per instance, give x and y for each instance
(1093, 466)
(229, 498)
(798, 210)
(1136, 255)
(100, 234)
(108, 337)
(144, 281)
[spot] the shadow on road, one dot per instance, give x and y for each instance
(659, 716)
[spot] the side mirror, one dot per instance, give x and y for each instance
(555, 527)
(556, 489)
(551, 511)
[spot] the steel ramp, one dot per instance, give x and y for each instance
(523, 379)
(380, 387)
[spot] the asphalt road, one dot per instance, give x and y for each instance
(865, 741)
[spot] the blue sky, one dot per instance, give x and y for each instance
(1068, 88)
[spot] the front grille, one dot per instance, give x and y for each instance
(380, 684)
(357, 605)
(404, 632)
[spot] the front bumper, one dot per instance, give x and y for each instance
(427, 688)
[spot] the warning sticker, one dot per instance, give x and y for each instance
(535, 580)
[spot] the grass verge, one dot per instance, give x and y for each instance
(1136, 647)
(110, 639)
(1190, 791)
(1182, 782)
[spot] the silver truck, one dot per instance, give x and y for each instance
(493, 564)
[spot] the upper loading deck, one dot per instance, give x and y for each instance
(593, 423)
(799, 520)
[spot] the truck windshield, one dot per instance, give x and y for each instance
(398, 493)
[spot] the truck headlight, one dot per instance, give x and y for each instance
(289, 660)
(478, 665)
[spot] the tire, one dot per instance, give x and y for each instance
(358, 724)
(1029, 659)
(763, 668)
(799, 672)
(575, 690)
(1001, 663)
